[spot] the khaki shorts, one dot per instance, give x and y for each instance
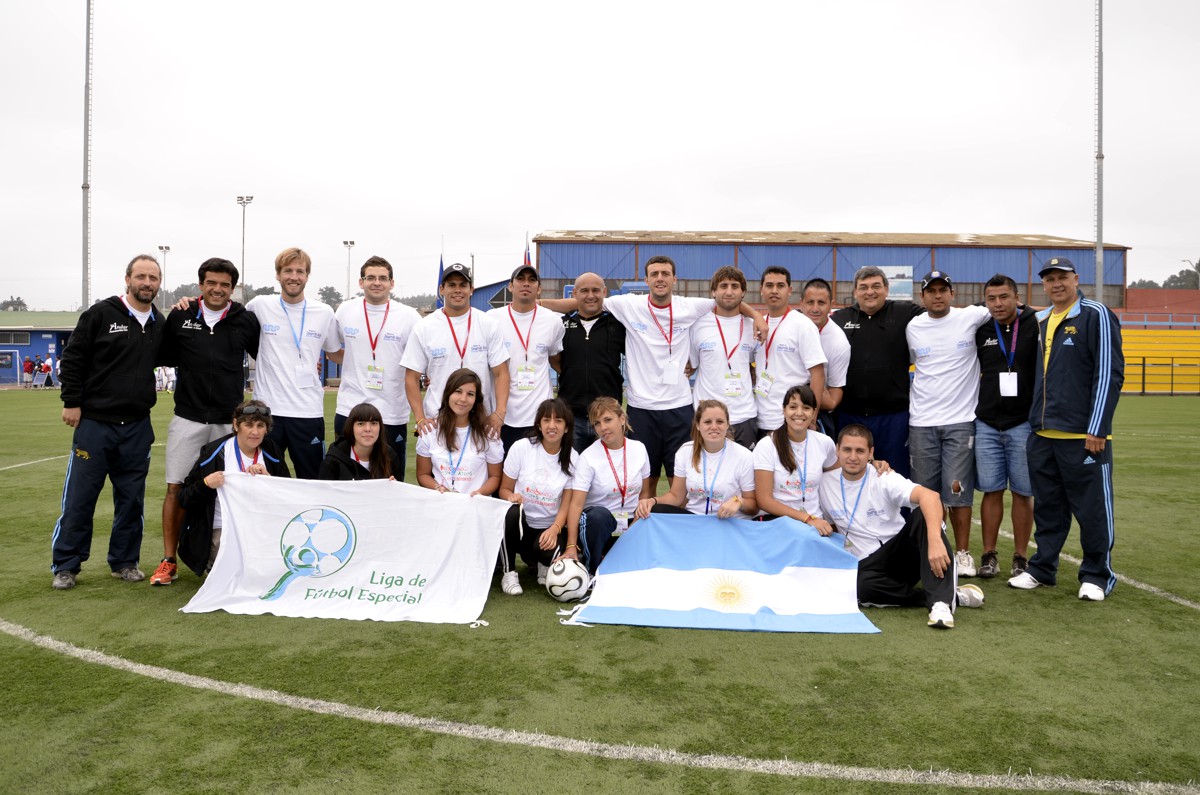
(184, 440)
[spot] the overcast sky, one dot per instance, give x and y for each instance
(400, 125)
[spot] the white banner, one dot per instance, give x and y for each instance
(375, 549)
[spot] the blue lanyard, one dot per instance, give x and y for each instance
(804, 472)
(238, 452)
(709, 489)
(462, 451)
(861, 489)
(303, 316)
(1009, 354)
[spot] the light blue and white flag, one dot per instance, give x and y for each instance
(708, 573)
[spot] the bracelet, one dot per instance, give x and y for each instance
(655, 500)
(572, 546)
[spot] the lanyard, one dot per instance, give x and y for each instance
(200, 313)
(1011, 352)
(367, 316)
(771, 339)
(710, 488)
(622, 485)
(238, 452)
(462, 351)
(729, 353)
(529, 335)
(670, 320)
(861, 489)
(461, 452)
(303, 316)
(804, 470)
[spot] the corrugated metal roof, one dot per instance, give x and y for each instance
(970, 240)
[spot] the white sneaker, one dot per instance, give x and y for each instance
(1025, 581)
(969, 596)
(543, 570)
(964, 563)
(509, 584)
(1089, 592)
(941, 617)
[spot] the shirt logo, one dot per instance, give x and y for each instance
(270, 328)
(192, 325)
(850, 325)
(1068, 329)
(437, 353)
(1070, 342)
(990, 341)
(350, 331)
(966, 344)
(313, 334)
(117, 328)
(923, 352)
(708, 346)
(639, 326)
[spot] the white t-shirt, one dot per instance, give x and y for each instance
(432, 350)
(657, 344)
(876, 513)
(285, 375)
(213, 316)
(837, 354)
(594, 474)
(730, 472)
(782, 362)
(945, 387)
(376, 379)
(797, 488)
(723, 363)
(539, 479)
(465, 469)
(530, 339)
(231, 465)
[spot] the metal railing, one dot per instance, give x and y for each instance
(1160, 320)
(1162, 375)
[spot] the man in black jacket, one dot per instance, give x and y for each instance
(107, 380)
(207, 341)
(593, 343)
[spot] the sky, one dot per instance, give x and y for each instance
(459, 128)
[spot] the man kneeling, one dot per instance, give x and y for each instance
(894, 556)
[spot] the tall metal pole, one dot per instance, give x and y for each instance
(349, 244)
(163, 268)
(87, 163)
(244, 201)
(1100, 151)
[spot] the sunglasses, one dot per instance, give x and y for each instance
(252, 411)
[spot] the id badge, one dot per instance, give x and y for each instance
(306, 375)
(374, 377)
(734, 386)
(525, 376)
(622, 518)
(1008, 384)
(763, 387)
(671, 372)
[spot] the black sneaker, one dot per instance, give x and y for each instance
(989, 566)
(1019, 565)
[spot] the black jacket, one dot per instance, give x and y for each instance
(340, 465)
(199, 501)
(210, 381)
(108, 363)
(999, 412)
(591, 361)
(877, 380)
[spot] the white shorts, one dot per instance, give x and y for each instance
(184, 440)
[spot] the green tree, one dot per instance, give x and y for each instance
(16, 304)
(331, 296)
(1145, 284)
(1186, 279)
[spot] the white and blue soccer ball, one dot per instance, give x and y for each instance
(567, 580)
(320, 541)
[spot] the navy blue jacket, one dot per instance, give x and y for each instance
(107, 367)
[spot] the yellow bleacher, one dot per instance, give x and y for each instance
(1161, 361)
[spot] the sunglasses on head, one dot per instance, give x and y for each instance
(252, 411)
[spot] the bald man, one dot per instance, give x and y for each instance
(592, 346)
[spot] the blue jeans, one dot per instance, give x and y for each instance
(1000, 460)
(943, 456)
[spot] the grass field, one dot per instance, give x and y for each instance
(1034, 683)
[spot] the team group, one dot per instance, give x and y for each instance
(1001, 398)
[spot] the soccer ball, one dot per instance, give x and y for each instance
(319, 541)
(567, 580)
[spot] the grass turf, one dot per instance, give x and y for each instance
(1034, 681)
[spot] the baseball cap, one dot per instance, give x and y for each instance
(456, 268)
(521, 269)
(935, 276)
(1057, 264)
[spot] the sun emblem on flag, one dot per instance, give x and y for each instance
(728, 593)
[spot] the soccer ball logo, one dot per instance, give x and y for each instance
(315, 543)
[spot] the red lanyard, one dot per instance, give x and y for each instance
(529, 335)
(375, 340)
(238, 451)
(771, 339)
(670, 319)
(462, 351)
(622, 485)
(200, 313)
(741, 330)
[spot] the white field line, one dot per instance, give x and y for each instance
(51, 458)
(631, 753)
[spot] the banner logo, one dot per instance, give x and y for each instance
(317, 542)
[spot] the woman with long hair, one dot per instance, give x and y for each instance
(456, 454)
(788, 463)
(612, 475)
(537, 473)
(713, 474)
(361, 453)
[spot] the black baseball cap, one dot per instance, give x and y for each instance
(936, 276)
(457, 268)
(521, 269)
(1057, 264)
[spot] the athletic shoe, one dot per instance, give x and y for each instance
(543, 570)
(509, 584)
(1020, 564)
(63, 580)
(165, 574)
(1089, 592)
(940, 617)
(1025, 581)
(965, 563)
(969, 596)
(989, 566)
(130, 574)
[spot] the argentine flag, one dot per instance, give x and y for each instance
(703, 572)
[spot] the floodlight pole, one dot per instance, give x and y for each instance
(163, 268)
(349, 244)
(1100, 151)
(87, 162)
(244, 201)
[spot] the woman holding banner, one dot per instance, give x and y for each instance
(714, 476)
(361, 453)
(537, 473)
(456, 454)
